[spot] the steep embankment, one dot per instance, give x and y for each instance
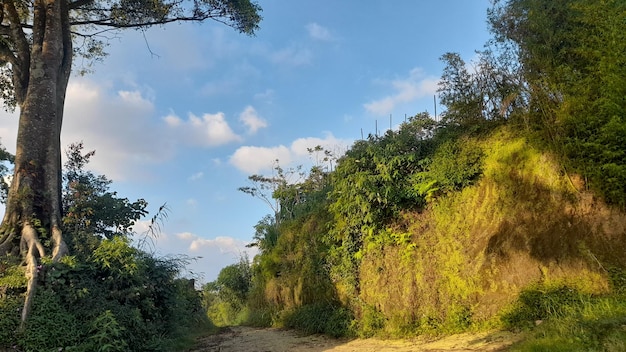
(467, 256)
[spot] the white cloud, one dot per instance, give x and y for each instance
(292, 56)
(300, 146)
(251, 119)
(267, 96)
(318, 32)
(210, 130)
(408, 89)
(192, 203)
(186, 236)
(212, 254)
(118, 125)
(172, 120)
(209, 255)
(223, 244)
(254, 160)
(196, 176)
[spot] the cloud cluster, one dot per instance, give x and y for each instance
(406, 90)
(118, 125)
(251, 119)
(318, 32)
(294, 55)
(254, 159)
(210, 254)
(210, 130)
(127, 133)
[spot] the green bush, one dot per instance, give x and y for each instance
(591, 324)
(371, 323)
(10, 309)
(538, 304)
(320, 318)
(51, 325)
(106, 334)
(120, 299)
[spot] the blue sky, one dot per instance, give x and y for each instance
(182, 114)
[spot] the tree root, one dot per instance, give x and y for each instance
(33, 250)
(60, 248)
(6, 244)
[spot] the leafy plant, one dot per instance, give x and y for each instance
(106, 334)
(321, 318)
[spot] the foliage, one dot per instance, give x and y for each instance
(91, 210)
(5, 158)
(370, 186)
(110, 296)
(370, 181)
(455, 165)
(493, 92)
(10, 307)
(121, 299)
(537, 304)
(321, 318)
(572, 57)
(50, 313)
(106, 334)
(225, 298)
(371, 323)
(584, 323)
(436, 227)
(265, 234)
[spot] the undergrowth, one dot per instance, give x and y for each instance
(563, 319)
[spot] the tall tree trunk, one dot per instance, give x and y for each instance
(33, 213)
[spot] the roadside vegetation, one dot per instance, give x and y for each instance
(507, 211)
(113, 293)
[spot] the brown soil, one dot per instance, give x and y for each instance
(247, 339)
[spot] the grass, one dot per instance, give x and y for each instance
(572, 322)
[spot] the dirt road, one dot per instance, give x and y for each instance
(246, 339)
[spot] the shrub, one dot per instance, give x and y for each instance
(320, 318)
(538, 304)
(10, 308)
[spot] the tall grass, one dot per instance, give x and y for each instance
(570, 321)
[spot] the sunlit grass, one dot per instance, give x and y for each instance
(588, 324)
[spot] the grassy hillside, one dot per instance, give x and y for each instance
(508, 211)
(467, 256)
(484, 230)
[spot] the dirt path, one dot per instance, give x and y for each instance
(246, 339)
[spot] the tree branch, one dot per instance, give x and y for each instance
(109, 22)
(78, 3)
(7, 55)
(21, 66)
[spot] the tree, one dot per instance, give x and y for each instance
(493, 92)
(281, 191)
(36, 53)
(91, 210)
(5, 158)
(572, 57)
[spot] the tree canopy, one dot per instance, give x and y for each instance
(22, 28)
(36, 54)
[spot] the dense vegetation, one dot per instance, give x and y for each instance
(110, 295)
(508, 212)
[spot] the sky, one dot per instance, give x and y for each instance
(183, 114)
